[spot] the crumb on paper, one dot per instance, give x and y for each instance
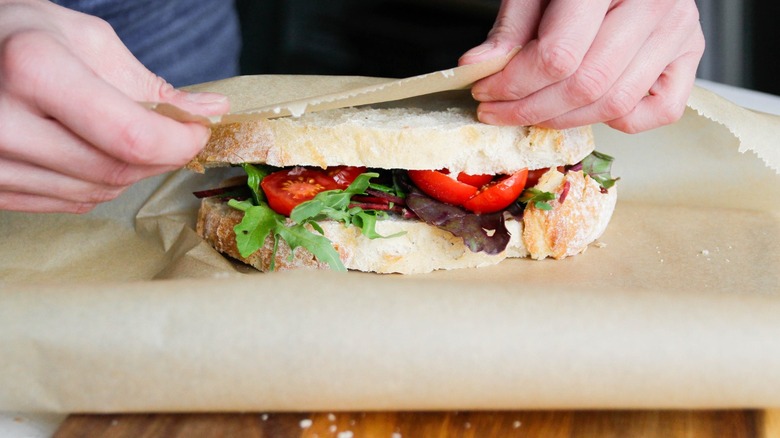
(705, 252)
(600, 245)
(305, 423)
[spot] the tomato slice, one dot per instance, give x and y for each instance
(440, 186)
(498, 195)
(287, 188)
(344, 175)
(474, 180)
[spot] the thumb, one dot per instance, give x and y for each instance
(202, 103)
(112, 61)
(515, 25)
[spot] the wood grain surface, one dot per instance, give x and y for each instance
(553, 424)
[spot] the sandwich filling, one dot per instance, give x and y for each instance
(288, 203)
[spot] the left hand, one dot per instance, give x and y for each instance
(628, 63)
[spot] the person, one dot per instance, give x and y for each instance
(72, 134)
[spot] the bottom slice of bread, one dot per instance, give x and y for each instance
(567, 229)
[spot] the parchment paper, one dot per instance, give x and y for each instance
(677, 307)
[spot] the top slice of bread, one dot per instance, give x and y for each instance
(429, 132)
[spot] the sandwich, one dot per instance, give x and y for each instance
(407, 187)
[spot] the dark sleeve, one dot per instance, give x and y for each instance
(184, 41)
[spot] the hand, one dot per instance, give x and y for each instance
(628, 63)
(72, 133)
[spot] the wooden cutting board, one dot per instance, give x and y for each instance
(667, 424)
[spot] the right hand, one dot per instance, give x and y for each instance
(72, 133)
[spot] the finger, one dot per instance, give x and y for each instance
(97, 44)
(93, 109)
(667, 99)
(515, 25)
(661, 49)
(627, 56)
(48, 144)
(40, 204)
(566, 31)
(20, 177)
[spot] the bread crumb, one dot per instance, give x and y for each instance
(705, 252)
(600, 245)
(305, 423)
(395, 435)
(516, 425)
(345, 434)
(331, 417)
(264, 417)
(467, 425)
(332, 428)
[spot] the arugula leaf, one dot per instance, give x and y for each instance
(317, 244)
(256, 175)
(334, 205)
(598, 166)
(258, 222)
(537, 197)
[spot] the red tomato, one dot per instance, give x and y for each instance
(344, 175)
(441, 187)
(286, 189)
(474, 180)
(497, 196)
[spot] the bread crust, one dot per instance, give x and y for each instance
(570, 226)
(566, 230)
(394, 138)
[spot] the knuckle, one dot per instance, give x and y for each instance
(164, 91)
(558, 61)
(588, 85)
(20, 56)
(102, 194)
(80, 207)
(670, 112)
(118, 174)
(618, 104)
(523, 115)
(625, 124)
(135, 144)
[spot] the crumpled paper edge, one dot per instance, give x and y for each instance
(734, 117)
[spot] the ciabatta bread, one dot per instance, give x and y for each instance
(565, 230)
(432, 133)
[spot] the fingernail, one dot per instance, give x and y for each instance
(480, 95)
(206, 98)
(486, 117)
(479, 50)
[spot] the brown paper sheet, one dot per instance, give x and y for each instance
(678, 308)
